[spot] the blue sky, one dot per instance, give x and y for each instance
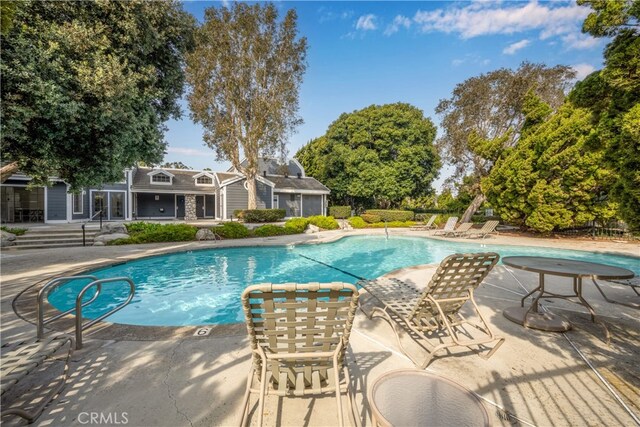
(363, 53)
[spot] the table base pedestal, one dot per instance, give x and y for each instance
(542, 321)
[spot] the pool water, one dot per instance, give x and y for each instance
(204, 286)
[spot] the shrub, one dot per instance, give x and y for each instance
(357, 222)
(324, 222)
(16, 231)
(272, 230)
(392, 224)
(340, 212)
(238, 213)
(370, 218)
(261, 215)
(389, 215)
(231, 230)
(148, 232)
(297, 225)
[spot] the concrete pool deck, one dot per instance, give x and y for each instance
(540, 377)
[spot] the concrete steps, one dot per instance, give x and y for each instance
(54, 238)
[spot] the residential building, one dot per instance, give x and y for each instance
(161, 193)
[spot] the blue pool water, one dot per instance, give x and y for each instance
(204, 287)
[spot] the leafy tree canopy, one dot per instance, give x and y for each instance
(245, 74)
(175, 165)
(613, 95)
(610, 17)
(376, 156)
(86, 86)
(551, 179)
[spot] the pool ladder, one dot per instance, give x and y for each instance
(95, 283)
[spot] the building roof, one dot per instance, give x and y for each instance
(295, 183)
(183, 181)
(272, 166)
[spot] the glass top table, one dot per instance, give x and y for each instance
(409, 397)
(532, 317)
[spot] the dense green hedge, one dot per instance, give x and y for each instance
(358, 222)
(268, 230)
(390, 215)
(149, 232)
(231, 230)
(260, 215)
(324, 222)
(297, 225)
(370, 218)
(340, 212)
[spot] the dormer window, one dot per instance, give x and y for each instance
(204, 180)
(160, 177)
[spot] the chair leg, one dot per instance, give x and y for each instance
(336, 373)
(263, 390)
(245, 405)
(354, 419)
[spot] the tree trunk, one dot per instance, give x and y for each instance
(251, 190)
(473, 207)
(7, 170)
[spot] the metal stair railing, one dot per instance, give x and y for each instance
(79, 305)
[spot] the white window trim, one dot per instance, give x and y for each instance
(213, 184)
(163, 172)
(73, 203)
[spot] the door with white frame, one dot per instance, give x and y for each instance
(111, 203)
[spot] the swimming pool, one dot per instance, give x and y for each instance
(204, 286)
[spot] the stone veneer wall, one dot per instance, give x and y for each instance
(190, 207)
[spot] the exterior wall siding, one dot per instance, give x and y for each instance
(236, 197)
(57, 202)
(290, 203)
(311, 205)
(148, 207)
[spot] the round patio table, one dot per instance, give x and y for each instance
(409, 397)
(532, 317)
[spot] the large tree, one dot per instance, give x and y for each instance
(376, 156)
(87, 86)
(245, 74)
(551, 179)
(613, 95)
(484, 116)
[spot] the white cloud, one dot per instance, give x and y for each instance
(483, 18)
(366, 22)
(579, 41)
(457, 62)
(188, 151)
(514, 47)
(583, 70)
(398, 22)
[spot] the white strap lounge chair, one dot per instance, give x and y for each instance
(449, 226)
(434, 312)
(426, 226)
(299, 335)
(462, 230)
(489, 227)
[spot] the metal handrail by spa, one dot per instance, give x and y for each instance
(79, 326)
(95, 283)
(44, 292)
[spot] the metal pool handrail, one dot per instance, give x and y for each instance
(44, 292)
(95, 282)
(79, 326)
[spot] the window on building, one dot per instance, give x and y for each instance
(160, 177)
(78, 204)
(204, 180)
